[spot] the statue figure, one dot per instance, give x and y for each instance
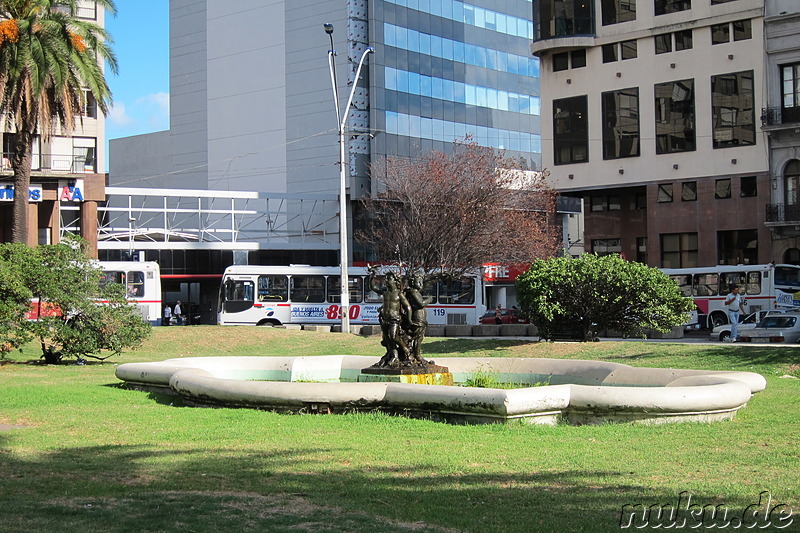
(390, 316)
(416, 316)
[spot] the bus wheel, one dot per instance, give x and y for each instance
(718, 319)
(270, 323)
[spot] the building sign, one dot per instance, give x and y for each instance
(70, 191)
(7, 193)
(497, 273)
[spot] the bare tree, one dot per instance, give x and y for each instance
(456, 211)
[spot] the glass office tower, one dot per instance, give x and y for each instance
(446, 69)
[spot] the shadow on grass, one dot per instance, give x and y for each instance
(149, 488)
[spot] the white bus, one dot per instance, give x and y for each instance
(142, 282)
(763, 286)
(277, 295)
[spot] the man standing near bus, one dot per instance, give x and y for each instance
(735, 304)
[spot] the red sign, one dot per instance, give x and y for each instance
(498, 273)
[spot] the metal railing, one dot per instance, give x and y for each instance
(789, 213)
(778, 116)
(66, 163)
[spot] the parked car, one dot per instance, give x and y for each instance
(507, 316)
(723, 333)
(774, 328)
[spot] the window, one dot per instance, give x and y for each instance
(749, 187)
(84, 154)
(578, 58)
(621, 123)
(88, 105)
(675, 128)
(742, 30)
(791, 177)
(737, 247)
(733, 114)
(663, 7)
(459, 291)
(705, 284)
(663, 43)
(678, 250)
(722, 189)
(683, 40)
(570, 130)
(355, 283)
(609, 53)
(689, 191)
(713, 2)
(790, 103)
(684, 283)
(622, 50)
(720, 33)
(557, 18)
(606, 246)
(560, 61)
(614, 203)
(308, 289)
(665, 193)
(628, 49)
(753, 283)
(641, 200)
(641, 249)
(616, 11)
(273, 288)
(597, 203)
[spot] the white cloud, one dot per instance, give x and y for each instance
(118, 115)
(155, 108)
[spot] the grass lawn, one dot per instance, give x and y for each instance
(86, 454)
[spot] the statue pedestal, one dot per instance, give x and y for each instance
(421, 374)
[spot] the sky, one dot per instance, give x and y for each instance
(141, 88)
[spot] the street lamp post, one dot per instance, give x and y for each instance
(341, 119)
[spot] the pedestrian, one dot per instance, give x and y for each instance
(735, 304)
(167, 315)
(179, 313)
(498, 315)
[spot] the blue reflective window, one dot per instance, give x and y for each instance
(477, 16)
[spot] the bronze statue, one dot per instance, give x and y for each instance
(417, 316)
(402, 317)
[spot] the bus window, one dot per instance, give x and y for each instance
(371, 296)
(729, 279)
(273, 288)
(356, 286)
(135, 284)
(459, 291)
(111, 276)
(787, 278)
(753, 285)
(238, 295)
(705, 285)
(308, 289)
(684, 282)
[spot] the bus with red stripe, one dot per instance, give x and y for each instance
(301, 294)
(767, 286)
(142, 282)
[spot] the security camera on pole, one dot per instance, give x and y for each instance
(341, 119)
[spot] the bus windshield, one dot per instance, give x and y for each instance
(787, 278)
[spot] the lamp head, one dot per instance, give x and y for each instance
(328, 28)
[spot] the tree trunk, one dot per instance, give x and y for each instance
(21, 165)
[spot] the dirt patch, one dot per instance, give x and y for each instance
(7, 427)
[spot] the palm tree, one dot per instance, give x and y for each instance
(51, 61)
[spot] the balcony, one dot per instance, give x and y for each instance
(777, 118)
(45, 164)
(783, 214)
